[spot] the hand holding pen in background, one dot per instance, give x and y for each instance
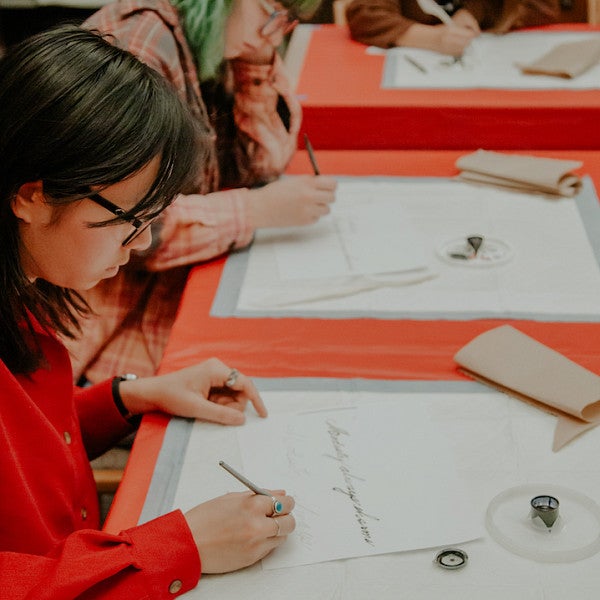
(311, 155)
(293, 200)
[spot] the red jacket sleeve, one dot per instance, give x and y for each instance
(149, 562)
(102, 425)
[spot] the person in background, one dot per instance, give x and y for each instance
(390, 23)
(94, 145)
(220, 56)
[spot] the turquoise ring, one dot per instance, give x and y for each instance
(277, 506)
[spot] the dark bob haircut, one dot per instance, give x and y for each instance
(78, 113)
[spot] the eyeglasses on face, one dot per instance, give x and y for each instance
(281, 20)
(139, 226)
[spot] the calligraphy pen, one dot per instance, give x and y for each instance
(311, 155)
(415, 64)
(277, 506)
(431, 7)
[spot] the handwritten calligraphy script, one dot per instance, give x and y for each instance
(342, 457)
(349, 468)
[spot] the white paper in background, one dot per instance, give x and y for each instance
(553, 270)
(363, 479)
(489, 62)
(361, 236)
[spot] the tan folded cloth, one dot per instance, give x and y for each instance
(566, 60)
(522, 367)
(517, 171)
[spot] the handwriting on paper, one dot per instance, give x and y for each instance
(342, 457)
(308, 452)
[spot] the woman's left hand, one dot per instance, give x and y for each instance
(210, 391)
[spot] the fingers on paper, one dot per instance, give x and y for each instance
(225, 414)
(238, 390)
(326, 182)
(254, 397)
(281, 527)
(320, 210)
(245, 390)
(324, 198)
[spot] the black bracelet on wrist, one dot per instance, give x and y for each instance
(133, 420)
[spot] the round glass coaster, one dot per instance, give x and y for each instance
(491, 253)
(575, 535)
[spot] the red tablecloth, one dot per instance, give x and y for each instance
(345, 107)
(342, 348)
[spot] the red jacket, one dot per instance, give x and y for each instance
(50, 546)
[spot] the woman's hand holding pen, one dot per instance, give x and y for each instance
(454, 40)
(445, 39)
(210, 391)
(238, 529)
(292, 200)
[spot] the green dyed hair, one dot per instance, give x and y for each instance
(204, 25)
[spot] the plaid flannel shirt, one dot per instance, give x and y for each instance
(135, 310)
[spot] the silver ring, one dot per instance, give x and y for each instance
(278, 528)
(231, 378)
(277, 506)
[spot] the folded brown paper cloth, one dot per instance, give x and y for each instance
(520, 366)
(521, 172)
(566, 60)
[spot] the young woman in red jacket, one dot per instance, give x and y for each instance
(93, 146)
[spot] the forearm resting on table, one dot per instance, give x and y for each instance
(198, 227)
(446, 39)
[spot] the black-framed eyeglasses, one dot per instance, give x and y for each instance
(281, 20)
(139, 226)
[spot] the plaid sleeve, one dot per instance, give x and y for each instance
(148, 33)
(197, 228)
(267, 116)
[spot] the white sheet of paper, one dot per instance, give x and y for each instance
(553, 270)
(361, 236)
(490, 61)
(363, 481)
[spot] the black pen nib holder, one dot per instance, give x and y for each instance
(475, 251)
(544, 512)
(475, 242)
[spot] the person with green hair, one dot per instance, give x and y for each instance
(204, 23)
(221, 57)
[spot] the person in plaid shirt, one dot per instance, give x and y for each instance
(221, 58)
